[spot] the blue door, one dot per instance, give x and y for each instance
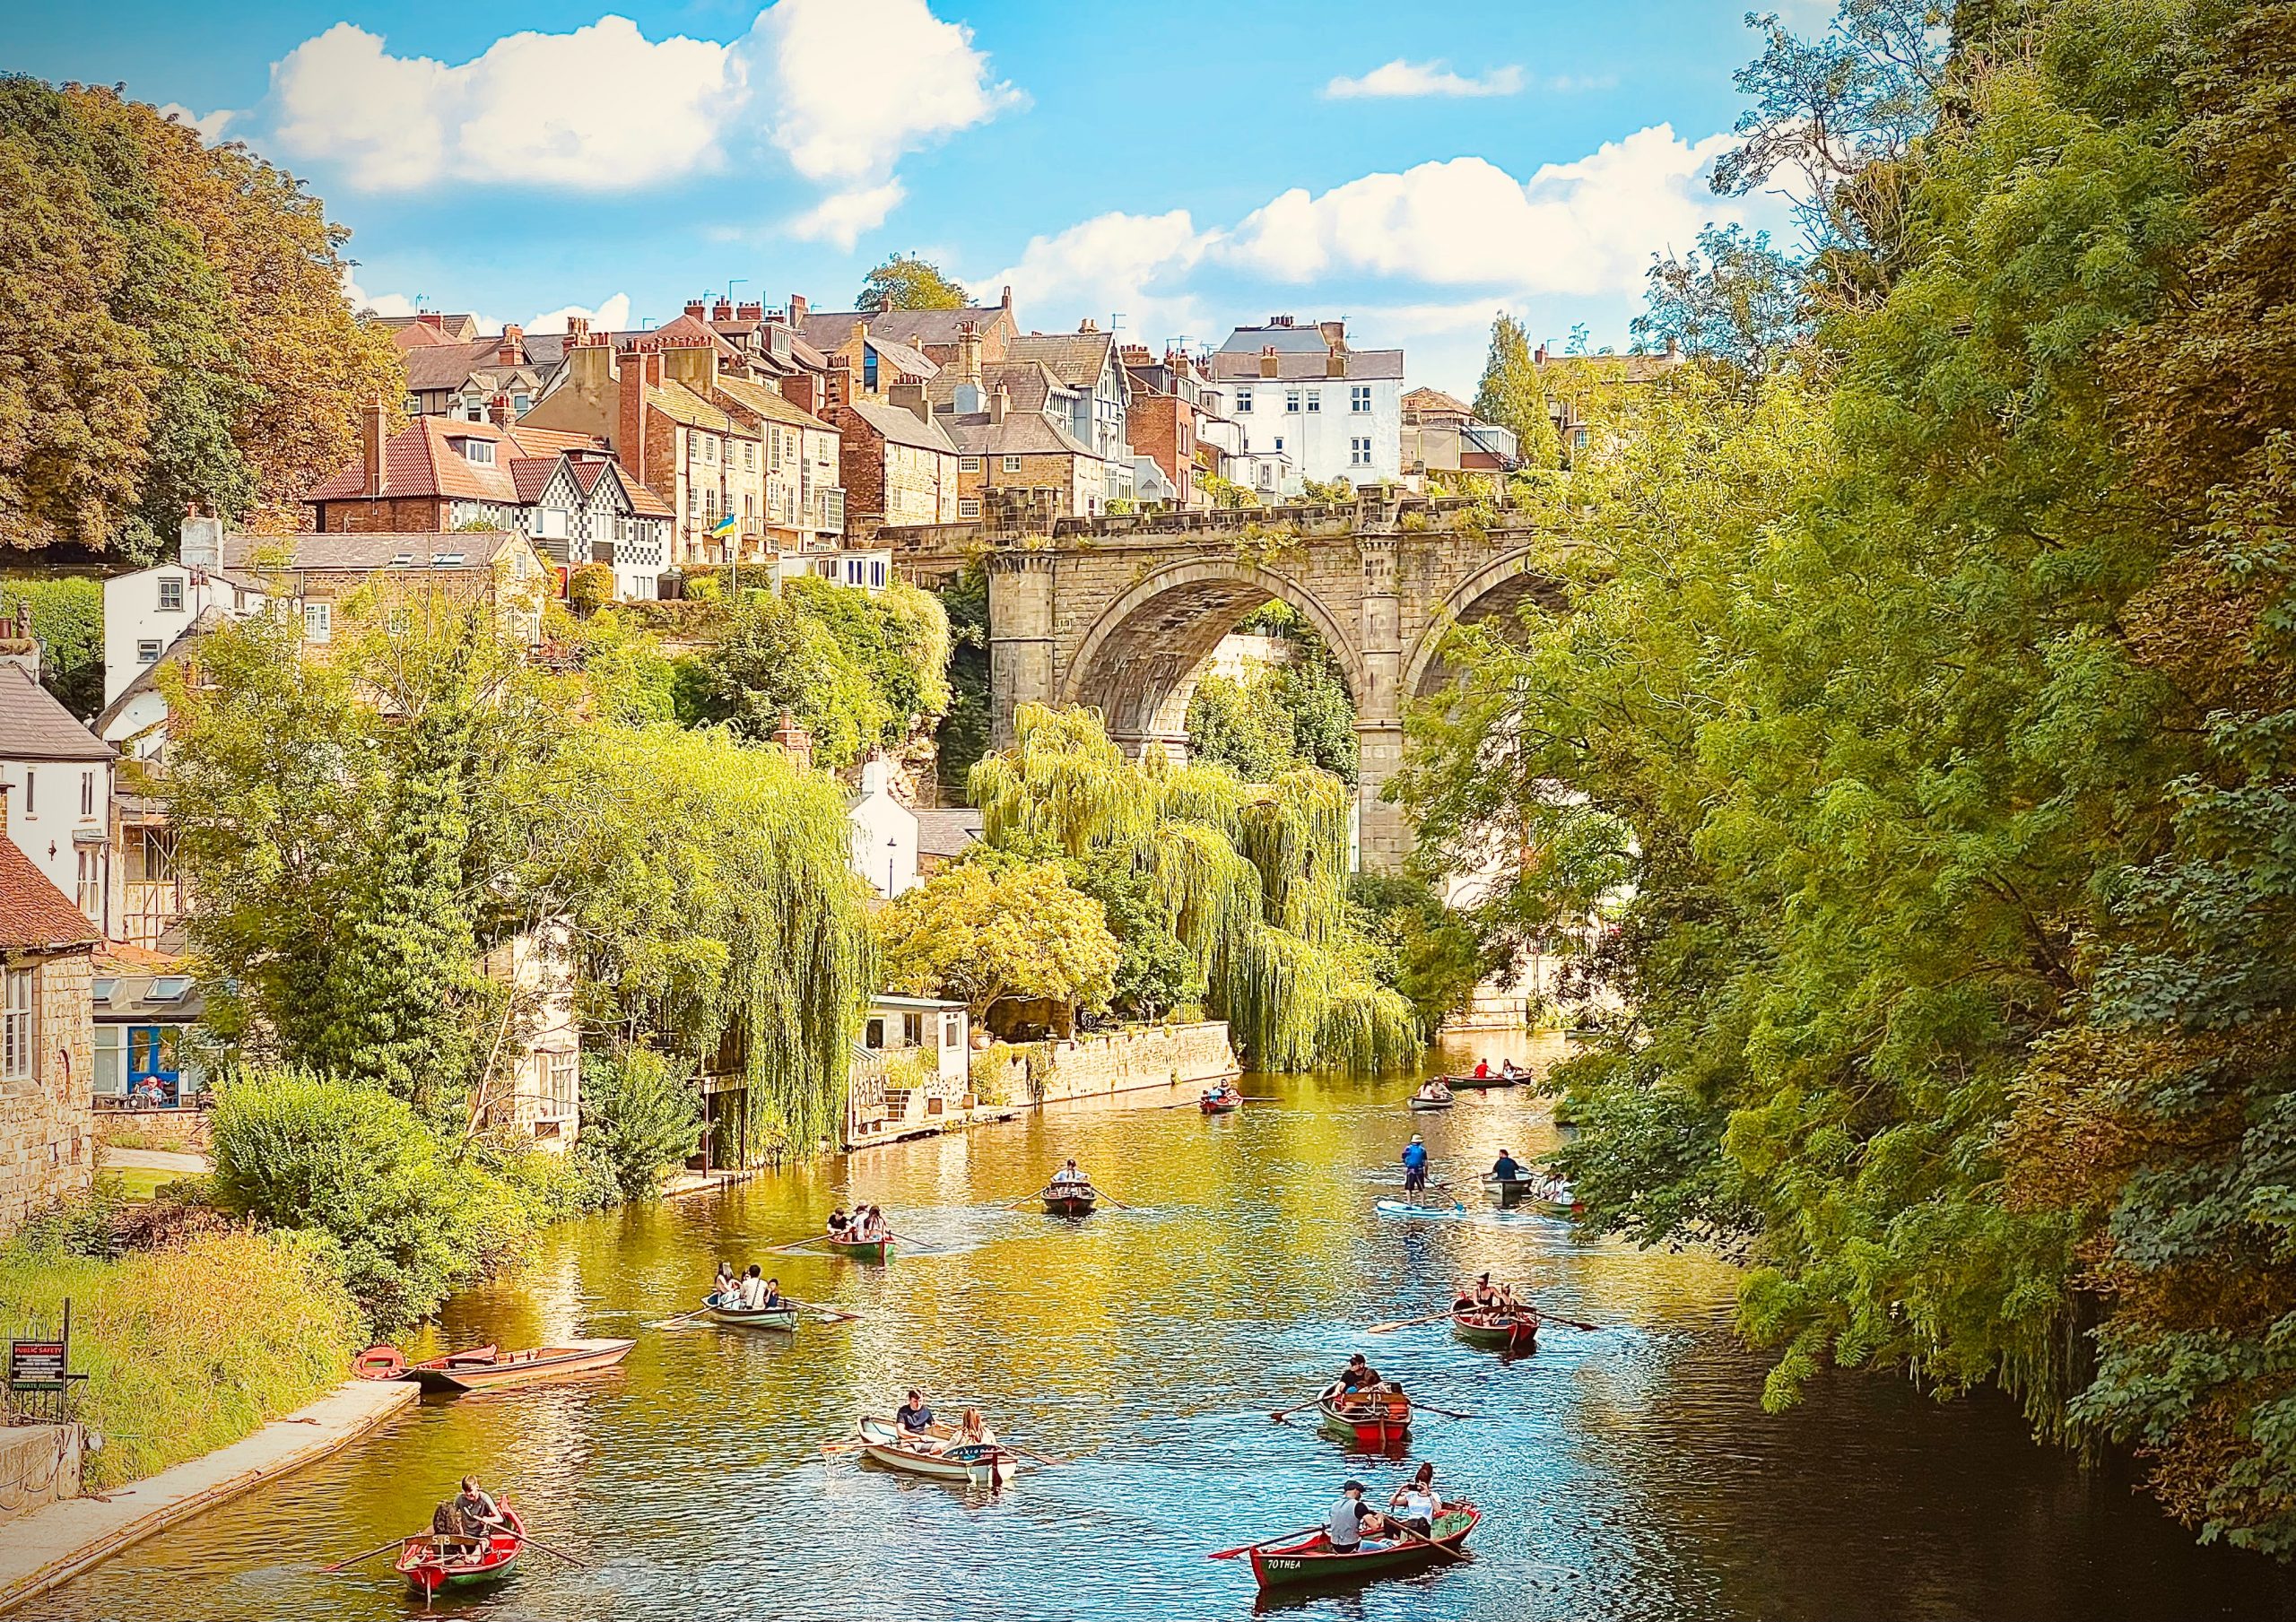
(152, 1057)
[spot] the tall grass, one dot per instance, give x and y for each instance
(186, 1349)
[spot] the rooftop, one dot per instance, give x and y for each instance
(34, 915)
(33, 727)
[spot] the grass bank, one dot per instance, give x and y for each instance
(186, 1348)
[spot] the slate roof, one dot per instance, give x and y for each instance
(771, 403)
(680, 403)
(902, 426)
(1021, 434)
(34, 913)
(33, 727)
(1292, 366)
(1435, 402)
(827, 329)
(1028, 384)
(946, 833)
(370, 549)
(1076, 359)
(430, 367)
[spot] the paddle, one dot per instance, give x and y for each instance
(370, 1554)
(830, 1314)
(1448, 1413)
(1030, 1452)
(547, 1548)
(797, 1245)
(1229, 1554)
(1277, 1414)
(1390, 1328)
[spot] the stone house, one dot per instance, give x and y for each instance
(47, 1040)
(1304, 394)
(1000, 450)
(1585, 391)
(1442, 435)
(898, 466)
(1087, 361)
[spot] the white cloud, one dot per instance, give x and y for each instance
(382, 304)
(1402, 78)
(1136, 264)
(210, 126)
(853, 85)
(611, 316)
(842, 89)
(841, 217)
(600, 107)
(1581, 228)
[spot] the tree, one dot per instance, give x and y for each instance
(963, 736)
(986, 933)
(177, 317)
(906, 281)
(1156, 974)
(1733, 299)
(1511, 395)
(642, 1114)
(67, 614)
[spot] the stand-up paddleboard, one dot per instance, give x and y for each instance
(1405, 1208)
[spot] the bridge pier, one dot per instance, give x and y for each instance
(1383, 835)
(1020, 639)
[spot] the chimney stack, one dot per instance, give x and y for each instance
(201, 544)
(630, 418)
(370, 446)
(1538, 356)
(1008, 298)
(749, 312)
(796, 741)
(497, 411)
(969, 354)
(723, 310)
(578, 327)
(696, 307)
(999, 404)
(1270, 362)
(857, 354)
(511, 350)
(797, 309)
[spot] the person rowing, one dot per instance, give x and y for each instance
(1352, 1525)
(913, 1419)
(1069, 1176)
(1482, 1070)
(1435, 1090)
(1507, 1168)
(1359, 1378)
(466, 1523)
(1479, 1296)
(840, 1224)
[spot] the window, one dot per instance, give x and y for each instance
(1315, 400)
(478, 453)
(171, 594)
(1012, 464)
(17, 1034)
(111, 1061)
(168, 988)
(519, 402)
(87, 793)
(1243, 403)
(878, 573)
(969, 506)
(103, 987)
(562, 1085)
(968, 464)
(1291, 400)
(1579, 438)
(912, 1031)
(1359, 451)
(1358, 397)
(32, 791)
(872, 1036)
(950, 1026)
(147, 650)
(318, 621)
(1279, 445)
(749, 454)
(89, 891)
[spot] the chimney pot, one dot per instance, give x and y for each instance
(695, 308)
(749, 312)
(1538, 356)
(578, 327)
(1008, 296)
(798, 308)
(723, 310)
(498, 409)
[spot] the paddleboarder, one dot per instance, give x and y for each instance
(1414, 1166)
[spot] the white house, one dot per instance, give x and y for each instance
(1301, 392)
(58, 778)
(884, 832)
(147, 609)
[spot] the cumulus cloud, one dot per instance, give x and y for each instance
(1402, 78)
(1137, 264)
(210, 126)
(841, 89)
(602, 108)
(382, 304)
(611, 316)
(1572, 228)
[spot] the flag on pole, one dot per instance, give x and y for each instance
(726, 525)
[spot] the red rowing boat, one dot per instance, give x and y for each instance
(482, 1367)
(429, 1563)
(1220, 1104)
(1371, 1421)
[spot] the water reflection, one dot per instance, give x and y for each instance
(1625, 1473)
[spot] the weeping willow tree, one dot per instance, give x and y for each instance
(1253, 876)
(714, 912)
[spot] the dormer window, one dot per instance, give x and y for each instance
(478, 452)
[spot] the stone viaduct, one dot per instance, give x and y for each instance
(1122, 614)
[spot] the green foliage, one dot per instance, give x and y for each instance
(1424, 949)
(190, 1348)
(1251, 877)
(1511, 395)
(68, 617)
(642, 1115)
(985, 933)
(1279, 718)
(963, 736)
(295, 1149)
(589, 588)
(907, 281)
(1733, 299)
(1156, 974)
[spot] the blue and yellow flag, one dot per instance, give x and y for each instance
(724, 525)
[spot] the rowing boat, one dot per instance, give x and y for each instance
(1225, 1103)
(1313, 1560)
(1552, 1198)
(1374, 1421)
(429, 1563)
(1404, 1207)
(783, 1316)
(1421, 1101)
(482, 1367)
(861, 1250)
(1497, 1077)
(1496, 1331)
(1070, 1199)
(981, 1464)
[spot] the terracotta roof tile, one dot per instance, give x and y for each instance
(34, 913)
(828, 329)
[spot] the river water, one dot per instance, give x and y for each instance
(1628, 1473)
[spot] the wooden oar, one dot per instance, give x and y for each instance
(833, 1314)
(1030, 1452)
(398, 1543)
(1112, 1200)
(1423, 1538)
(547, 1548)
(1390, 1328)
(849, 1445)
(1448, 1413)
(1229, 1554)
(796, 1245)
(1277, 1414)
(1547, 1317)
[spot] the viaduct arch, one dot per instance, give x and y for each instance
(1122, 615)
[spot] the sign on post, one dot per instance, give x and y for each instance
(36, 1364)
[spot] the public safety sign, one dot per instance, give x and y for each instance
(36, 1364)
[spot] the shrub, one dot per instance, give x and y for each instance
(589, 588)
(301, 1150)
(641, 1113)
(189, 1349)
(68, 618)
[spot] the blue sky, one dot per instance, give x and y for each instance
(1184, 166)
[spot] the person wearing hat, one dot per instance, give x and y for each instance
(1345, 1529)
(1414, 1164)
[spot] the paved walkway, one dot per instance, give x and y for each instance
(158, 1159)
(52, 1545)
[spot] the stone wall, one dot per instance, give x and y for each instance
(1138, 1056)
(47, 1121)
(39, 1465)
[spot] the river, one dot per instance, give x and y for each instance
(1628, 1473)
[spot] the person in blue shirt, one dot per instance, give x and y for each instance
(1414, 1166)
(1509, 1168)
